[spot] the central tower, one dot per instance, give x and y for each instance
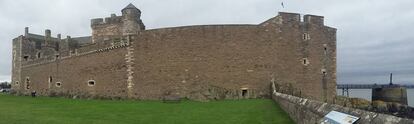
(114, 27)
(132, 22)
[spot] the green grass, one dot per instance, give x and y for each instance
(44, 110)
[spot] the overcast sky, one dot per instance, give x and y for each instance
(374, 38)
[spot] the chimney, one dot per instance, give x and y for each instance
(67, 39)
(59, 37)
(26, 31)
(48, 33)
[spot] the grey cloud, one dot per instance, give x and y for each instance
(374, 36)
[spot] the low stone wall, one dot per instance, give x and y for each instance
(391, 108)
(306, 111)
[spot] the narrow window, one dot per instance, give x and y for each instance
(305, 61)
(325, 49)
(50, 79)
(38, 55)
(58, 84)
(17, 83)
(91, 83)
(27, 83)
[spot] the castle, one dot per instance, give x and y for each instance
(124, 60)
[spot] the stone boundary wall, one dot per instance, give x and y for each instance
(306, 111)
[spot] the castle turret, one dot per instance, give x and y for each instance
(131, 11)
(132, 22)
(59, 39)
(26, 31)
(48, 39)
(50, 46)
(114, 27)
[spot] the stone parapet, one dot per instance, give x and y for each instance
(307, 111)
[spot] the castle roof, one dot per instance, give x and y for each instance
(130, 6)
(83, 40)
(38, 37)
(80, 40)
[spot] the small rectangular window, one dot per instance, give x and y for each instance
(91, 83)
(58, 84)
(26, 58)
(306, 36)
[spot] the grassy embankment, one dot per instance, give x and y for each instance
(44, 110)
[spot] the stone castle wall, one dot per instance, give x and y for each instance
(197, 62)
(307, 111)
(75, 72)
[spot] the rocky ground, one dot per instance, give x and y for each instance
(391, 108)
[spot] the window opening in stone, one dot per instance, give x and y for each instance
(27, 83)
(57, 56)
(325, 48)
(38, 55)
(26, 58)
(58, 84)
(91, 83)
(50, 79)
(306, 36)
(323, 72)
(244, 93)
(305, 61)
(17, 83)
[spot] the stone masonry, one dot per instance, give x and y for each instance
(307, 111)
(124, 60)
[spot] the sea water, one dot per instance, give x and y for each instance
(367, 93)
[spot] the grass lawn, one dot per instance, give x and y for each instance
(44, 110)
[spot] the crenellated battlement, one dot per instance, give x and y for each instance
(313, 19)
(289, 17)
(296, 17)
(113, 27)
(107, 20)
(97, 21)
(292, 18)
